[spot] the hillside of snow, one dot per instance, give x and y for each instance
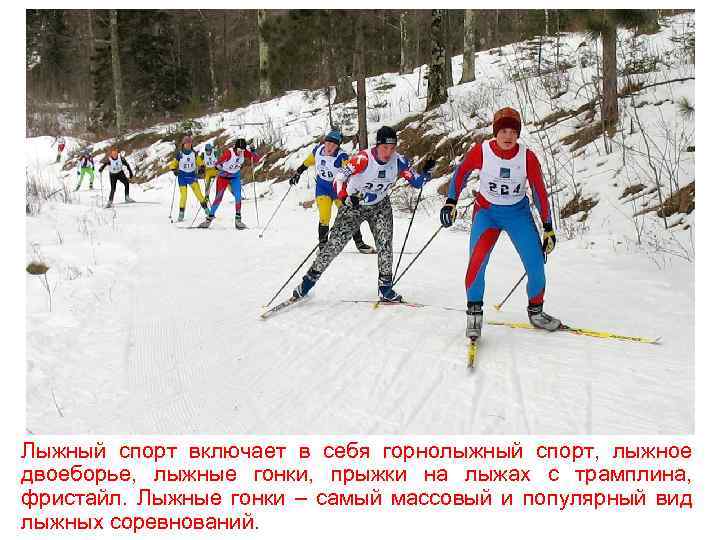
(141, 326)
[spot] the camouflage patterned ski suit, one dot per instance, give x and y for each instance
(380, 220)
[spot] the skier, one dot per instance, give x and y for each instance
(85, 166)
(60, 140)
(363, 187)
(228, 166)
(501, 204)
(185, 168)
(116, 162)
(208, 159)
(329, 159)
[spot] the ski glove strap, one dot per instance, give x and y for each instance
(549, 239)
(448, 213)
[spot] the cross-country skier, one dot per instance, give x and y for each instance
(501, 204)
(85, 166)
(208, 159)
(329, 159)
(228, 166)
(116, 162)
(185, 167)
(365, 183)
(60, 140)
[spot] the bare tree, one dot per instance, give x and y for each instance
(264, 57)
(448, 52)
(437, 90)
(468, 74)
(405, 65)
(360, 75)
(214, 91)
(609, 112)
(117, 74)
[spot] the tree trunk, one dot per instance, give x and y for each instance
(437, 91)
(468, 74)
(418, 60)
(405, 65)
(360, 69)
(214, 92)
(91, 53)
(264, 57)
(226, 59)
(117, 74)
(609, 110)
(448, 51)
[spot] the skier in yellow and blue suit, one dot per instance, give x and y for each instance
(185, 168)
(328, 159)
(208, 160)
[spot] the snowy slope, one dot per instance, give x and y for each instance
(155, 329)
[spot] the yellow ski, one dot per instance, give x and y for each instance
(581, 332)
(472, 351)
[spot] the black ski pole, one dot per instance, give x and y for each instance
(207, 201)
(418, 254)
(276, 210)
(425, 246)
(172, 201)
(500, 305)
(407, 234)
(293, 275)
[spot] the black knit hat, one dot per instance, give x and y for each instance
(386, 135)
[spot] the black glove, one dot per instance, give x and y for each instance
(428, 165)
(294, 179)
(201, 170)
(549, 239)
(448, 213)
(353, 201)
(176, 172)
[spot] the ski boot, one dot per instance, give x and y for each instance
(474, 312)
(308, 282)
(181, 215)
(109, 204)
(129, 200)
(239, 225)
(540, 319)
(91, 188)
(206, 224)
(360, 244)
(386, 292)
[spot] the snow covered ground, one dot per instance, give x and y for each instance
(155, 329)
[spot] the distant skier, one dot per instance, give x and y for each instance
(329, 159)
(228, 166)
(185, 168)
(60, 147)
(116, 162)
(86, 166)
(208, 159)
(501, 204)
(363, 187)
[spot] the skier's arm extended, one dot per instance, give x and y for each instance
(406, 171)
(124, 162)
(473, 160)
(535, 179)
(105, 163)
(249, 154)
